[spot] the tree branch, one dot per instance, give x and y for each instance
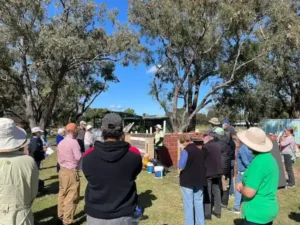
(205, 100)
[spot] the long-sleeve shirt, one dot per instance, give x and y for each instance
(183, 159)
(88, 138)
(36, 149)
(59, 138)
(68, 153)
(288, 145)
(244, 158)
(19, 187)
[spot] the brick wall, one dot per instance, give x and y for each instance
(171, 152)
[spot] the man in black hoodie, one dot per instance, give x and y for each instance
(111, 170)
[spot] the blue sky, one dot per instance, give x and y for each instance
(133, 88)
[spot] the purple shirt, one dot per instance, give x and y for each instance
(68, 153)
(288, 145)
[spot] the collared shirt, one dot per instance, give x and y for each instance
(18, 188)
(158, 136)
(244, 158)
(68, 153)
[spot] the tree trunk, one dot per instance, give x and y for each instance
(193, 122)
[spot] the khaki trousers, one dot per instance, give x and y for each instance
(68, 196)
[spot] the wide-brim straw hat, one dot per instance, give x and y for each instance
(256, 139)
(12, 138)
(214, 121)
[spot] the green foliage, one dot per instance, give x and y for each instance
(197, 43)
(129, 111)
(59, 58)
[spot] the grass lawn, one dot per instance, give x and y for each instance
(160, 198)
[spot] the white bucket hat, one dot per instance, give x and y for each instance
(89, 127)
(255, 139)
(36, 130)
(158, 126)
(12, 137)
(214, 121)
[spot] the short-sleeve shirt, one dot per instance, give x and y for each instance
(158, 136)
(262, 175)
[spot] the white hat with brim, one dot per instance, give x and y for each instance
(89, 127)
(82, 123)
(255, 139)
(12, 138)
(36, 130)
(214, 121)
(158, 126)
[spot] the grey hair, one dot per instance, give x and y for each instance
(61, 130)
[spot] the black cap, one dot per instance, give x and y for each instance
(112, 122)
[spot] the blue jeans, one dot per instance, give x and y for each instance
(193, 199)
(238, 195)
(231, 188)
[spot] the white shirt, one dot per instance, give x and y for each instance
(88, 138)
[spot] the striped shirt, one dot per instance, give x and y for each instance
(68, 153)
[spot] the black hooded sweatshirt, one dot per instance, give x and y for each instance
(111, 170)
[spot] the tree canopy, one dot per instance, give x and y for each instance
(58, 56)
(197, 43)
(129, 111)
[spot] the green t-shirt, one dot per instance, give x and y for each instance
(158, 136)
(262, 175)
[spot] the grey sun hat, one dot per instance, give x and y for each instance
(112, 122)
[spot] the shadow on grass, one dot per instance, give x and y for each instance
(49, 167)
(53, 177)
(238, 222)
(146, 198)
(51, 213)
(295, 216)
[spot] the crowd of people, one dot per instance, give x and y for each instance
(111, 166)
(206, 176)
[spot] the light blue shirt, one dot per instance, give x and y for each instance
(244, 158)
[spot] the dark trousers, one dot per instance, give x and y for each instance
(212, 196)
(41, 183)
(288, 163)
(225, 194)
(246, 222)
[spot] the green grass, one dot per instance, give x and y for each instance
(161, 199)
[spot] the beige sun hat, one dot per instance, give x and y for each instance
(12, 138)
(158, 126)
(256, 139)
(214, 121)
(89, 127)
